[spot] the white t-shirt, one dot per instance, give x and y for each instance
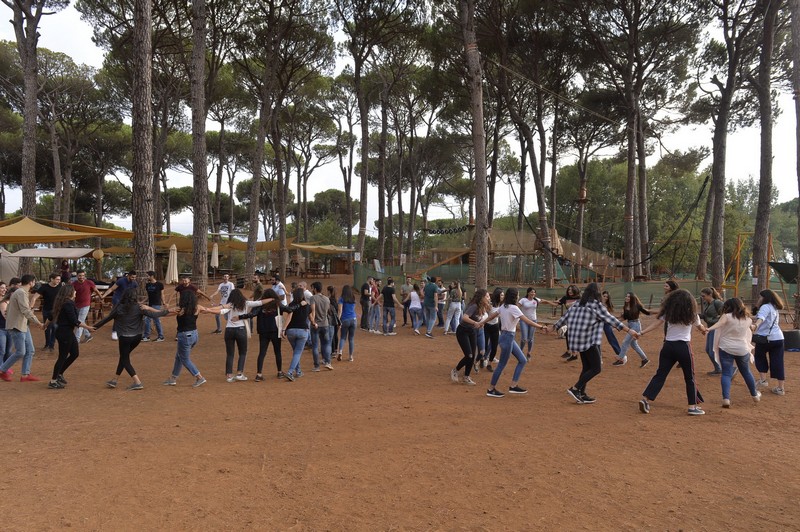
(509, 317)
(529, 307)
(496, 319)
(225, 290)
(678, 332)
(248, 306)
(415, 300)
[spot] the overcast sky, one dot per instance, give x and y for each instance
(65, 32)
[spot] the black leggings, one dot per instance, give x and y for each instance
(263, 342)
(592, 365)
(67, 350)
(235, 337)
(492, 335)
(468, 341)
(126, 345)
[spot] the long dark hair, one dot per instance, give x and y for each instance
(64, 294)
(188, 303)
(511, 297)
(497, 293)
(298, 295)
(735, 308)
(608, 303)
(130, 297)
(771, 298)
(347, 294)
(479, 299)
(679, 307)
(591, 293)
(270, 293)
(573, 291)
(633, 302)
(672, 285)
(237, 300)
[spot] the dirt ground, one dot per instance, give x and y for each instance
(388, 442)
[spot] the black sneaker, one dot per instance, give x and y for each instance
(489, 368)
(645, 362)
(572, 357)
(566, 354)
(714, 373)
(55, 385)
(575, 394)
(494, 392)
(259, 378)
(517, 390)
(62, 380)
(587, 399)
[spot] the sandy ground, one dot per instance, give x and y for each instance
(389, 442)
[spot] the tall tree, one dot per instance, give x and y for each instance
(199, 162)
(794, 6)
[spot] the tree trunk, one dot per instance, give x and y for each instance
(199, 163)
(521, 211)
(382, 173)
(764, 91)
(492, 185)
(363, 111)
(630, 233)
(644, 235)
(474, 77)
(218, 190)
(705, 237)
(58, 191)
(143, 212)
(794, 5)
(255, 191)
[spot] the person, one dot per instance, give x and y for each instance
(5, 336)
(453, 318)
(128, 316)
(18, 316)
(48, 291)
(155, 291)
(388, 298)
(679, 312)
(572, 296)
(769, 355)
(414, 302)
(429, 305)
(186, 315)
(441, 301)
(65, 316)
(366, 291)
(474, 317)
(187, 284)
(510, 314)
(295, 329)
(528, 304)
(66, 276)
(732, 345)
(607, 330)
(334, 323)
(492, 330)
(405, 290)
(375, 307)
(255, 281)
(224, 290)
(631, 311)
(280, 290)
(84, 289)
(710, 312)
(584, 321)
(320, 333)
(347, 315)
(120, 286)
(268, 332)
(237, 331)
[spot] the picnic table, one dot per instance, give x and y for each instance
(316, 272)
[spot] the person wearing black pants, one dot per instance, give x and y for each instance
(679, 312)
(128, 318)
(366, 289)
(473, 318)
(491, 330)
(65, 317)
(268, 333)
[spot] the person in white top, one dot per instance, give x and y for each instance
(529, 304)
(414, 299)
(769, 351)
(224, 290)
(732, 344)
(679, 311)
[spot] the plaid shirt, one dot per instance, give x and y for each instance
(585, 325)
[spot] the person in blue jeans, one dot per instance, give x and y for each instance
(295, 330)
(187, 311)
(155, 291)
(510, 315)
(608, 331)
(430, 305)
(347, 315)
(18, 316)
(631, 311)
(320, 331)
(710, 312)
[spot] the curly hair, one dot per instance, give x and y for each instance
(679, 307)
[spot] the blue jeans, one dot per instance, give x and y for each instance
(297, 339)
(481, 336)
(526, 333)
(710, 349)
(508, 347)
(612, 338)
(5, 345)
(374, 317)
(159, 329)
(453, 318)
(416, 317)
(630, 341)
(321, 335)
(743, 363)
(218, 320)
(348, 330)
(186, 341)
(430, 317)
(83, 313)
(23, 346)
(389, 315)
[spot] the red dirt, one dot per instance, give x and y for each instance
(388, 442)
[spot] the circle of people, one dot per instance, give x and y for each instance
(734, 338)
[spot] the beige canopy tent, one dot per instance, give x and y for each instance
(54, 253)
(27, 231)
(185, 244)
(322, 250)
(271, 245)
(104, 232)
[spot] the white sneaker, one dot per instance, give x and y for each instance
(469, 381)
(230, 379)
(454, 375)
(778, 391)
(328, 366)
(241, 377)
(757, 397)
(726, 403)
(114, 335)
(762, 383)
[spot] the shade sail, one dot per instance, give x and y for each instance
(271, 245)
(27, 231)
(787, 271)
(185, 244)
(107, 233)
(322, 250)
(54, 253)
